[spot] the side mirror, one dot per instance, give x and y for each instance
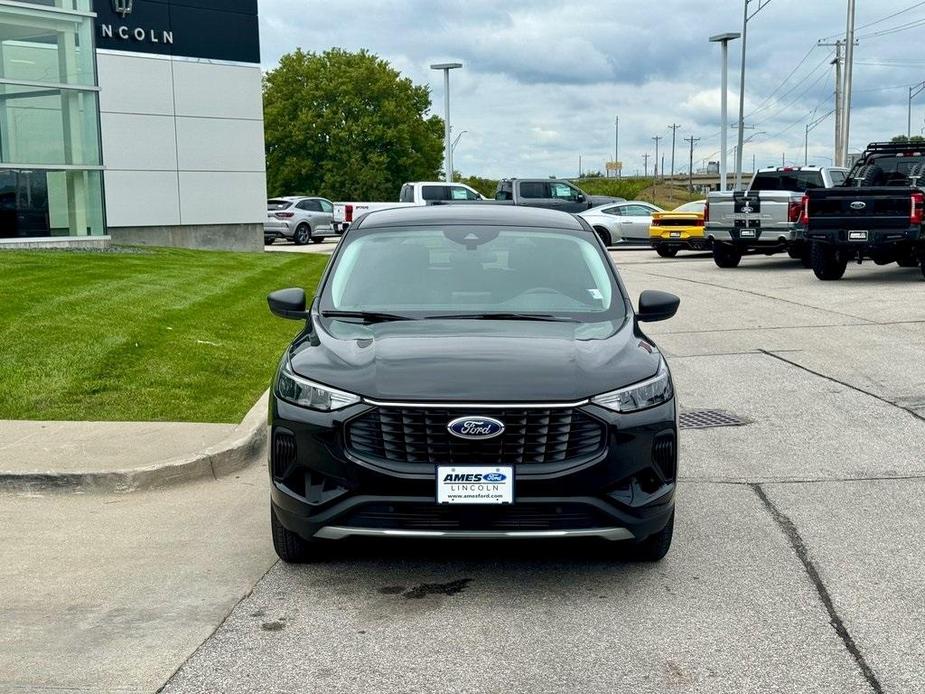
(580, 198)
(288, 303)
(656, 306)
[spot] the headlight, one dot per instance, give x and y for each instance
(639, 396)
(304, 393)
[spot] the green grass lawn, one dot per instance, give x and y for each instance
(148, 335)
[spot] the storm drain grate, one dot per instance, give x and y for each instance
(706, 419)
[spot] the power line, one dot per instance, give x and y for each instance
(784, 81)
(893, 30)
(783, 107)
(878, 21)
(796, 86)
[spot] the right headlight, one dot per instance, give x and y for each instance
(639, 396)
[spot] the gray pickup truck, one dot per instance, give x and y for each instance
(767, 218)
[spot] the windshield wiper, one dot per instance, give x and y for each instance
(367, 316)
(505, 316)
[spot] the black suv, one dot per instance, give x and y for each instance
(472, 372)
(877, 213)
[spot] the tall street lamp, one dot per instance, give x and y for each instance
(747, 16)
(724, 39)
(448, 154)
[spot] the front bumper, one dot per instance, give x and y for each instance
(320, 489)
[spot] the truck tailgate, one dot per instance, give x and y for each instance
(860, 208)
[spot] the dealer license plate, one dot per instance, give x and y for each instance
(747, 233)
(475, 484)
(857, 235)
(675, 234)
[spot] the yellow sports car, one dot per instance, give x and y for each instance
(680, 229)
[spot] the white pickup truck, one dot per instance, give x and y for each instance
(415, 194)
(766, 218)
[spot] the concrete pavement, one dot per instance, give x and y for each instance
(796, 565)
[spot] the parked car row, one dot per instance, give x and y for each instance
(826, 216)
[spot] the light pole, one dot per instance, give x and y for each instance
(616, 145)
(761, 4)
(456, 141)
(448, 154)
(848, 77)
(724, 39)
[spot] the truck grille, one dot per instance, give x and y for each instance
(531, 437)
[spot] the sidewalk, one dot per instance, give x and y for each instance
(124, 456)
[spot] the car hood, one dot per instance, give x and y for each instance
(475, 361)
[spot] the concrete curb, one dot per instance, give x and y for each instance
(236, 452)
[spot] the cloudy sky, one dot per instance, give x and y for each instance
(544, 80)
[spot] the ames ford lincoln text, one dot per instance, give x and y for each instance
(472, 371)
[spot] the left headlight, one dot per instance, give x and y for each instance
(305, 393)
(639, 396)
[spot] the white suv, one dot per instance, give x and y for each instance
(301, 219)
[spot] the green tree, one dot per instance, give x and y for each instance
(347, 126)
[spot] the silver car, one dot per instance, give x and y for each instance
(300, 219)
(622, 222)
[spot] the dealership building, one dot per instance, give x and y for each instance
(136, 119)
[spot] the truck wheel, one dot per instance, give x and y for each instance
(302, 235)
(655, 547)
(828, 263)
(795, 251)
(292, 548)
(605, 236)
(726, 256)
(667, 252)
(907, 261)
(268, 240)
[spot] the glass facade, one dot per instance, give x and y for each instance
(50, 159)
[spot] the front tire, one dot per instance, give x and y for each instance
(317, 239)
(655, 547)
(268, 240)
(302, 235)
(726, 256)
(828, 263)
(666, 252)
(290, 547)
(606, 238)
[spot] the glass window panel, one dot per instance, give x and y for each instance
(36, 203)
(48, 126)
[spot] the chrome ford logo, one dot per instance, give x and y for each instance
(858, 205)
(748, 209)
(494, 477)
(476, 428)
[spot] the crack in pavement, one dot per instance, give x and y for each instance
(843, 383)
(799, 547)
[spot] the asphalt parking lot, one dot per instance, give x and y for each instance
(796, 567)
(797, 564)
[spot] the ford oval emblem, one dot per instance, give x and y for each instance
(858, 205)
(476, 428)
(748, 209)
(494, 477)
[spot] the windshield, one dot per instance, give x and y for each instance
(797, 181)
(887, 170)
(696, 207)
(424, 272)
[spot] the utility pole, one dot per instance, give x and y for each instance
(657, 138)
(579, 166)
(724, 39)
(759, 5)
(914, 91)
(690, 167)
(846, 92)
(838, 62)
(645, 170)
(674, 129)
(448, 153)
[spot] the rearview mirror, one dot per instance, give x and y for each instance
(656, 306)
(288, 303)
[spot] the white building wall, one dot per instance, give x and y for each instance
(182, 141)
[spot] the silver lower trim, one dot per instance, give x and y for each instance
(335, 532)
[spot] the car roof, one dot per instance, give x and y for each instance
(620, 203)
(475, 214)
(296, 198)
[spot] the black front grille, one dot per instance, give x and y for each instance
(416, 516)
(531, 437)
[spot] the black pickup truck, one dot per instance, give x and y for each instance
(877, 213)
